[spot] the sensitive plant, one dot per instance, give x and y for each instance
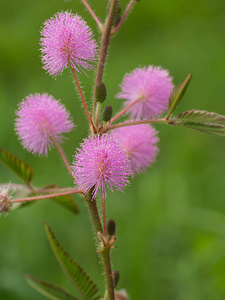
(111, 154)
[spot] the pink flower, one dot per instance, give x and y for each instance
(139, 142)
(67, 39)
(152, 86)
(38, 118)
(101, 162)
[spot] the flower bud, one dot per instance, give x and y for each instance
(117, 17)
(100, 92)
(111, 227)
(107, 113)
(117, 10)
(116, 277)
(116, 20)
(5, 200)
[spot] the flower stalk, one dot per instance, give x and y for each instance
(83, 100)
(94, 213)
(63, 156)
(104, 215)
(124, 110)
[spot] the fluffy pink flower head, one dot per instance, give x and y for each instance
(139, 141)
(100, 162)
(38, 118)
(67, 39)
(152, 86)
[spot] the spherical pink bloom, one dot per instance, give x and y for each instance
(139, 141)
(152, 86)
(38, 118)
(100, 162)
(67, 39)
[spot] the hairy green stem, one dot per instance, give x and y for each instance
(105, 40)
(94, 213)
(108, 273)
(104, 249)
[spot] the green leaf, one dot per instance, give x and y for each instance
(177, 95)
(204, 121)
(48, 290)
(67, 202)
(21, 169)
(85, 286)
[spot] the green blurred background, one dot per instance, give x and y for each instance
(171, 220)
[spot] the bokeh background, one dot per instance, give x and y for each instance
(171, 220)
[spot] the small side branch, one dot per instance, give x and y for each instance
(130, 123)
(36, 198)
(99, 23)
(124, 110)
(115, 30)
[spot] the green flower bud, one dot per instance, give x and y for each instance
(116, 20)
(116, 277)
(100, 92)
(117, 17)
(118, 9)
(107, 113)
(111, 227)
